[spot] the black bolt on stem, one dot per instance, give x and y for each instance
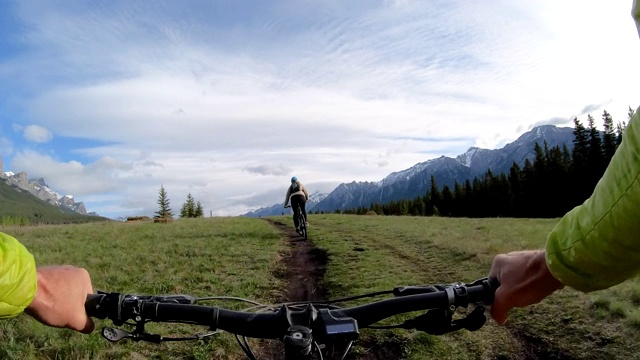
(297, 342)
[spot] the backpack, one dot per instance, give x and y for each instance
(295, 187)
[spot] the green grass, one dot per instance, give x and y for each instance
(202, 257)
(241, 257)
(370, 253)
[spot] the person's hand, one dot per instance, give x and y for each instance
(524, 280)
(60, 298)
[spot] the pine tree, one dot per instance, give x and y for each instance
(434, 196)
(622, 125)
(199, 210)
(188, 208)
(469, 199)
(608, 138)
(459, 200)
(566, 158)
(515, 182)
(447, 201)
(404, 207)
(164, 203)
(528, 187)
(557, 182)
(540, 161)
(595, 151)
(580, 152)
(417, 207)
(580, 160)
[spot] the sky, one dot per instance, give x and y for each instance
(226, 100)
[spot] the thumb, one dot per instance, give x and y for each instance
(88, 325)
(500, 307)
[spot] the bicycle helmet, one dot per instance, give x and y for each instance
(294, 179)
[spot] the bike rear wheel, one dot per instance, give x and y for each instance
(303, 227)
(302, 223)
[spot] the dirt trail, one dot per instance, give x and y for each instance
(305, 269)
(306, 266)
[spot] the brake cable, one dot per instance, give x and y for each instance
(434, 321)
(440, 321)
(139, 334)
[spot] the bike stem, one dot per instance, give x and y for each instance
(299, 340)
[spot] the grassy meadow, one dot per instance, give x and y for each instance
(242, 257)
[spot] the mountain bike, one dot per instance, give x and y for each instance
(306, 329)
(301, 220)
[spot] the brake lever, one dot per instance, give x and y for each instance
(414, 290)
(440, 321)
(434, 322)
(472, 322)
(115, 335)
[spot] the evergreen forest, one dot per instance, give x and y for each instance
(556, 180)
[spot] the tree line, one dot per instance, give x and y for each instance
(553, 182)
(190, 208)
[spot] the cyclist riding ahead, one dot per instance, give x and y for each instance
(299, 196)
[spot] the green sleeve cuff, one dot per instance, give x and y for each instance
(18, 279)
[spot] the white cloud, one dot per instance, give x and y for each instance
(72, 177)
(269, 169)
(37, 134)
(230, 103)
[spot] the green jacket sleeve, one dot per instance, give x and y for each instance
(597, 244)
(18, 281)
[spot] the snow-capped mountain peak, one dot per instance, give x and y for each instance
(40, 189)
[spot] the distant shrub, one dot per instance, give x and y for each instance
(138, 218)
(15, 220)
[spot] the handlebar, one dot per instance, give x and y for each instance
(326, 322)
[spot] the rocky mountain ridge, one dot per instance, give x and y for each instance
(40, 189)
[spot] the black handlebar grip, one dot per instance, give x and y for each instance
(494, 284)
(92, 306)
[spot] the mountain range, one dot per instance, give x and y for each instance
(414, 181)
(40, 189)
(278, 209)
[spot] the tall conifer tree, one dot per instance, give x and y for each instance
(608, 138)
(165, 205)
